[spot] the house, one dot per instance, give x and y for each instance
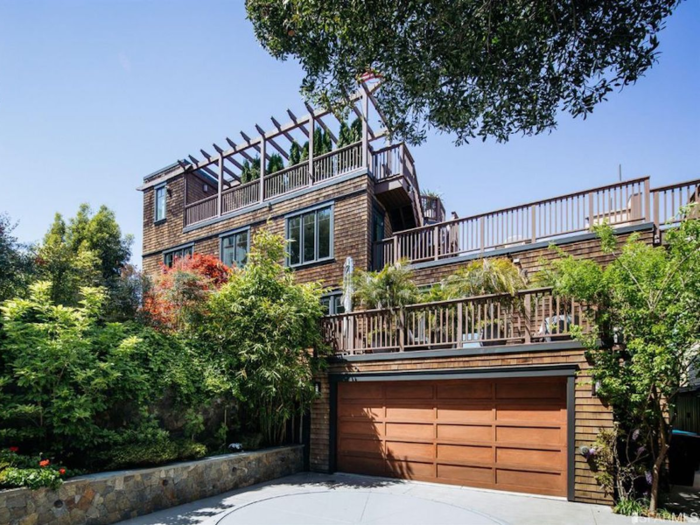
(474, 391)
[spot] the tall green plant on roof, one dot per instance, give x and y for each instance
(275, 163)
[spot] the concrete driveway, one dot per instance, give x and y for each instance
(309, 499)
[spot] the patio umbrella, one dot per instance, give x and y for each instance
(348, 269)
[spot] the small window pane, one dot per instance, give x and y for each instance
(168, 259)
(324, 233)
(234, 249)
(339, 306)
(160, 203)
(241, 249)
(295, 240)
(310, 237)
(326, 305)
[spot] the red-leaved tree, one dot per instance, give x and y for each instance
(179, 294)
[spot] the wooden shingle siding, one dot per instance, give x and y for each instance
(351, 224)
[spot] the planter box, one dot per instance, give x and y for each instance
(109, 497)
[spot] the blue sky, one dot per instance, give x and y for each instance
(95, 94)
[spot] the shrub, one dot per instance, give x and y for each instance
(156, 451)
(30, 471)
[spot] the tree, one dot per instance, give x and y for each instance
(390, 287)
(486, 69)
(482, 277)
(16, 262)
(250, 171)
(270, 370)
(646, 308)
(88, 251)
(275, 163)
(177, 297)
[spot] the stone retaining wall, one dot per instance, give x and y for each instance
(110, 497)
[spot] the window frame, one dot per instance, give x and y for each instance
(156, 189)
(182, 247)
(332, 304)
(231, 233)
(330, 206)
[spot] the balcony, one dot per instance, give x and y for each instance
(622, 204)
(532, 316)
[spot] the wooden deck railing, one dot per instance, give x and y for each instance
(621, 204)
(337, 162)
(531, 316)
(393, 161)
(668, 201)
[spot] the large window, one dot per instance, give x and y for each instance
(310, 236)
(178, 253)
(234, 248)
(160, 194)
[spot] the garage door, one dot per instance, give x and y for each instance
(507, 434)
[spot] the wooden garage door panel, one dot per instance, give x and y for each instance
(410, 431)
(540, 413)
(464, 454)
(530, 435)
(505, 434)
(464, 413)
(465, 390)
(531, 458)
(399, 450)
(407, 412)
(465, 433)
(409, 390)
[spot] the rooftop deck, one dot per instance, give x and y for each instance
(623, 204)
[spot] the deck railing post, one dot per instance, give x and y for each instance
(365, 130)
(647, 197)
(533, 224)
(397, 251)
(312, 127)
(436, 242)
(482, 229)
(590, 210)
(221, 185)
(262, 169)
(402, 330)
(528, 316)
(460, 326)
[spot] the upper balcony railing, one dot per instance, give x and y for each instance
(625, 203)
(531, 316)
(385, 163)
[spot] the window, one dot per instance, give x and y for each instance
(160, 194)
(234, 248)
(310, 236)
(333, 303)
(170, 256)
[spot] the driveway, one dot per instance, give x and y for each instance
(309, 499)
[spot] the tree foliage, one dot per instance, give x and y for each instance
(89, 250)
(16, 262)
(260, 329)
(390, 287)
(177, 297)
(646, 307)
(475, 68)
(71, 384)
(481, 277)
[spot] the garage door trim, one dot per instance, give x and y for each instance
(568, 371)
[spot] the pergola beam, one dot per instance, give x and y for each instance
(254, 144)
(296, 123)
(273, 143)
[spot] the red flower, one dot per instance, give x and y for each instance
(44, 463)
(61, 471)
(14, 449)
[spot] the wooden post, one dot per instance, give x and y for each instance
(534, 223)
(647, 198)
(657, 194)
(402, 330)
(262, 169)
(436, 241)
(590, 210)
(397, 245)
(365, 133)
(460, 326)
(482, 233)
(528, 331)
(221, 185)
(312, 128)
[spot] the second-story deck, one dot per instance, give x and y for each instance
(531, 316)
(623, 204)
